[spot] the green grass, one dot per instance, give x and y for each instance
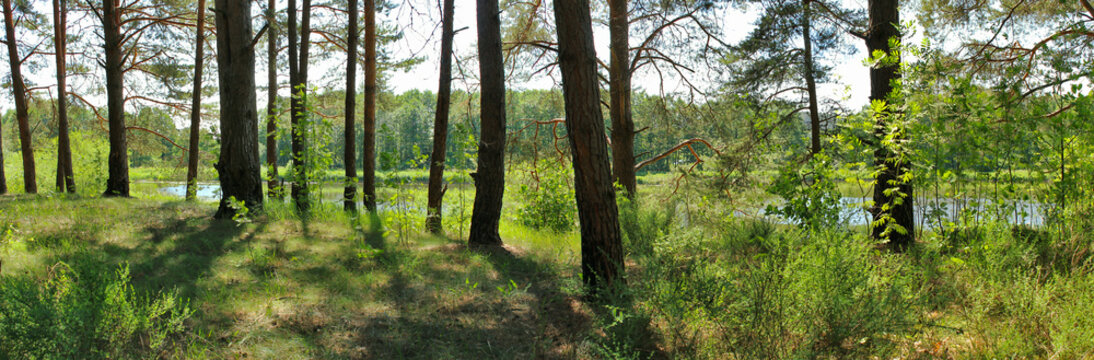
(332, 287)
(701, 284)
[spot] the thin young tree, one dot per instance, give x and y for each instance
(436, 188)
(368, 153)
(601, 240)
(893, 196)
(490, 176)
(195, 108)
(350, 195)
(239, 167)
(66, 180)
(273, 187)
(19, 92)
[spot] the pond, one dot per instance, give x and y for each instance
(853, 209)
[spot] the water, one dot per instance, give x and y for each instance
(205, 192)
(931, 211)
(213, 193)
(928, 211)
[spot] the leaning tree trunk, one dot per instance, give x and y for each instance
(490, 176)
(273, 188)
(620, 89)
(440, 125)
(195, 108)
(810, 79)
(299, 100)
(19, 92)
(239, 166)
(601, 241)
(368, 153)
(117, 182)
(884, 18)
(350, 195)
(66, 180)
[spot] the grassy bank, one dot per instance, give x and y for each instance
(152, 277)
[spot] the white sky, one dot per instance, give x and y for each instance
(851, 86)
(851, 72)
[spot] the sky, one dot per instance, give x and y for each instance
(851, 87)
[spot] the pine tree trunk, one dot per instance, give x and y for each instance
(436, 187)
(601, 241)
(350, 195)
(19, 92)
(117, 182)
(3, 175)
(195, 108)
(273, 187)
(239, 166)
(884, 17)
(299, 101)
(810, 79)
(368, 154)
(620, 89)
(490, 176)
(67, 181)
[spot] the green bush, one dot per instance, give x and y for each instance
(85, 311)
(548, 199)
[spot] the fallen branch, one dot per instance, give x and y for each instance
(685, 143)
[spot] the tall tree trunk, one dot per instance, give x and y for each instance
(368, 153)
(884, 17)
(273, 187)
(436, 187)
(67, 181)
(810, 79)
(350, 196)
(299, 102)
(19, 91)
(601, 241)
(195, 108)
(620, 89)
(490, 176)
(117, 182)
(239, 166)
(3, 175)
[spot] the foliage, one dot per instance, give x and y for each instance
(548, 198)
(809, 194)
(87, 310)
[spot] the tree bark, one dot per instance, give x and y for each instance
(368, 153)
(350, 196)
(273, 187)
(620, 92)
(601, 241)
(490, 176)
(239, 166)
(436, 187)
(884, 17)
(3, 175)
(117, 182)
(66, 180)
(810, 79)
(299, 102)
(19, 92)
(195, 109)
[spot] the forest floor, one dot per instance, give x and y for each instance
(279, 287)
(701, 284)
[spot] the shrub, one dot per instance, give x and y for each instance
(86, 311)
(548, 202)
